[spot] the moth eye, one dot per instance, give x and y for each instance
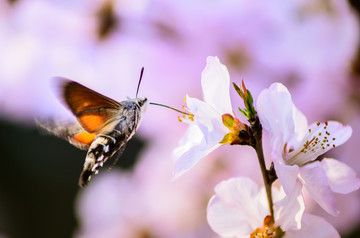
(141, 102)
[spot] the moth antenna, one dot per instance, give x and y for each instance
(141, 75)
(162, 105)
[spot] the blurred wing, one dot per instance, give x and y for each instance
(72, 132)
(93, 110)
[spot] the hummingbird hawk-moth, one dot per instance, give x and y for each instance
(103, 126)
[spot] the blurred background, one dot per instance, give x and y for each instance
(312, 46)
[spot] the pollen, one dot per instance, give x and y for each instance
(186, 117)
(322, 138)
(317, 141)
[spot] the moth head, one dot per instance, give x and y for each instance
(143, 103)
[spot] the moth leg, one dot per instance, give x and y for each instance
(121, 151)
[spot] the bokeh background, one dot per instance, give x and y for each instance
(312, 46)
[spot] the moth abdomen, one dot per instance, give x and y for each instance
(102, 148)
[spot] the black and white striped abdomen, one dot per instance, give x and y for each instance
(102, 148)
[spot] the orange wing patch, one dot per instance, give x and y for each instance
(92, 123)
(84, 138)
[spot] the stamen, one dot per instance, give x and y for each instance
(185, 115)
(318, 144)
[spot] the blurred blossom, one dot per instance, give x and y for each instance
(296, 146)
(239, 209)
(117, 204)
(308, 44)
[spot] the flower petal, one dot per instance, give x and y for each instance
(341, 178)
(215, 82)
(289, 210)
(316, 183)
(192, 137)
(227, 221)
(313, 227)
(192, 149)
(234, 211)
(208, 120)
(288, 176)
(275, 110)
(301, 127)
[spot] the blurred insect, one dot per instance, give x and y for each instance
(103, 127)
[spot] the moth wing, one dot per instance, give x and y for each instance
(71, 131)
(93, 110)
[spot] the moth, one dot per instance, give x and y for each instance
(103, 127)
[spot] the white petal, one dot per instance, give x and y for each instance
(275, 109)
(313, 227)
(191, 151)
(227, 221)
(237, 191)
(315, 181)
(192, 138)
(342, 178)
(215, 82)
(289, 210)
(301, 126)
(235, 211)
(208, 120)
(288, 176)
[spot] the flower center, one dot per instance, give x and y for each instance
(268, 230)
(317, 141)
